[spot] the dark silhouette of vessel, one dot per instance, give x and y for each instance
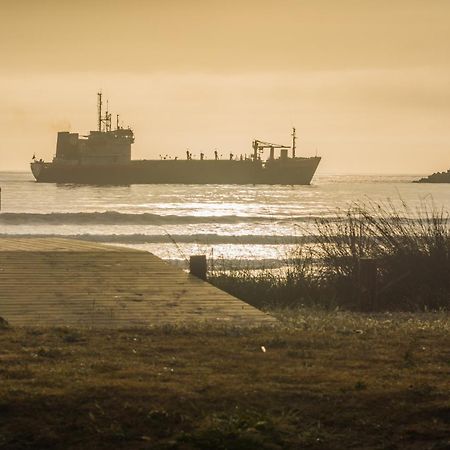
(104, 157)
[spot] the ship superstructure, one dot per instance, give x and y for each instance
(104, 157)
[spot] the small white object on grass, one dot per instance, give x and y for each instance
(263, 349)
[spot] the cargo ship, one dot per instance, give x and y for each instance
(104, 158)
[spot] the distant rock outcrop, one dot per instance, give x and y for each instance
(438, 177)
(3, 323)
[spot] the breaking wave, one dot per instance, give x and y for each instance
(117, 218)
(228, 264)
(207, 238)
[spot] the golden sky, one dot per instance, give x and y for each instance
(366, 83)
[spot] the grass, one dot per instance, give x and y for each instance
(411, 250)
(327, 380)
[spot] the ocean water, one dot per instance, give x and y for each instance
(250, 225)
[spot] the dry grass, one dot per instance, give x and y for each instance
(326, 381)
(411, 249)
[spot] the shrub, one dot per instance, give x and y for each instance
(411, 249)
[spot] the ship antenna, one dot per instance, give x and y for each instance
(294, 137)
(107, 117)
(99, 107)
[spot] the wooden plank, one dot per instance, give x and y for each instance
(48, 281)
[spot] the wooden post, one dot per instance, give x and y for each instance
(197, 266)
(367, 283)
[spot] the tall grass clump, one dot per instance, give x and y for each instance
(294, 285)
(411, 249)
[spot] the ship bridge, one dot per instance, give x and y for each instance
(102, 146)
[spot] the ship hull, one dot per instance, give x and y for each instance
(298, 171)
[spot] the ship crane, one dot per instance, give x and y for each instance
(259, 146)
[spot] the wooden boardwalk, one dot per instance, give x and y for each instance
(62, 282)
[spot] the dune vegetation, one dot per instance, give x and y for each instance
(411, 250)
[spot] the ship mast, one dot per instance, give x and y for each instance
(103, 122)
(294, 138)
(99, 109)
(107, 117)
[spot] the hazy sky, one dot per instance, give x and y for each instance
(366, 83)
